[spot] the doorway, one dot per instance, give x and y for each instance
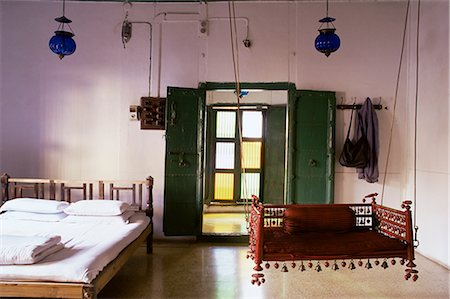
(296, 155)
(237, 145)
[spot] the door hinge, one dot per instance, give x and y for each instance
(173, 114)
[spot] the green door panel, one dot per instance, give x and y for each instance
(274, 155)
(311, 147)
(183, 164)
(209, 168)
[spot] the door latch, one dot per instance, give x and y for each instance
(312, 163)
(182, 162)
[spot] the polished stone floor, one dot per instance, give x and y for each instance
(207, 270)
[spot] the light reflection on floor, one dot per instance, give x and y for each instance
(189, 270)
(224, 224)
(227, 265)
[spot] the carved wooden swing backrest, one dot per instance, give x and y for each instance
(273, 215)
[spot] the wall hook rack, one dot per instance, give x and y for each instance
(358, 106)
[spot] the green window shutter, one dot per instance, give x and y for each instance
(274, 155)
(183, 165)
(311, 147)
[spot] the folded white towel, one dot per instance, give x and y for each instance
(20, 250)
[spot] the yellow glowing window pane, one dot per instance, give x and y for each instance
(223, 189)
(249, 185)
(251, 155)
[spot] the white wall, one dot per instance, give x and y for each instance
(433, 127)
(1, 75)
(69, 118)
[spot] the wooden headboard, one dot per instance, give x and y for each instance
(65, 190)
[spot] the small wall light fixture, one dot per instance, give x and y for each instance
(127, 26)
(62, 42)
(327, 41)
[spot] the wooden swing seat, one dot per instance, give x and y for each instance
(310, 246)
(281, 233)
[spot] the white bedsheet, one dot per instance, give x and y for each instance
(88, 248)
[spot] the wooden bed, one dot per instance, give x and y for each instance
(70, 191)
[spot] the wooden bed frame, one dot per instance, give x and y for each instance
(62, 190)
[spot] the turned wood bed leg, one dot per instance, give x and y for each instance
(89, 292)
(149, 213)
(149, 241)
(4, 181)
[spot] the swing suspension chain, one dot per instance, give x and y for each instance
(395, 101)
(416, 228)
(235, 56)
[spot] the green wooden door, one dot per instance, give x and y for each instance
(311, 147)
(274, 155)
(183, 165)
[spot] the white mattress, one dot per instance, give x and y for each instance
(89, 247)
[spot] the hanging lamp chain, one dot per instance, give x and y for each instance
(64, 14)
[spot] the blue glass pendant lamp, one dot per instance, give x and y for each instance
(327, 41)
(62, 43)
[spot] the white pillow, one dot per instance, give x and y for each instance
(117, 219)
(34, 205)
(17, 215)
(97, 207)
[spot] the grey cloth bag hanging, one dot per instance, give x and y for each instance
(354, 154)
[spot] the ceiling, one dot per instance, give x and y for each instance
(175, 0)
(206, 1)
(158, 0)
